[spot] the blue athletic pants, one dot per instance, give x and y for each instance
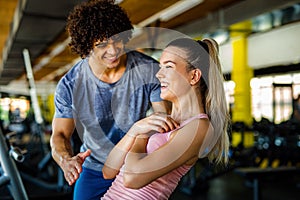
(91, 185)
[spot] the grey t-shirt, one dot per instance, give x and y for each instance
(104, 112)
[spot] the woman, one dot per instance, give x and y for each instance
(151, 166)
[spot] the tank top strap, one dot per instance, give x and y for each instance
(199, 116)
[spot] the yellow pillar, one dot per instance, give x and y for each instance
(51, 106)
(241, 74)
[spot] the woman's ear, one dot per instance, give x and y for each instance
(196, 76)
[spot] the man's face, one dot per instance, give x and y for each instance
(107, 53)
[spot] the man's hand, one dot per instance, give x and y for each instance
(72, 167)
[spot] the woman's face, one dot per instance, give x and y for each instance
(173, 75)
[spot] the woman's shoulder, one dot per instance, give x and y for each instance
(195, 126)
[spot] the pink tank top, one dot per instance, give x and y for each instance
(161, 188)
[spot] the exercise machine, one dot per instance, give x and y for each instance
(9, 174)
(46, 170)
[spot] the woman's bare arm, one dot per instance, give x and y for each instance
(141, 169)
(157, 122)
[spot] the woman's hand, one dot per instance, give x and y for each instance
(157, 122)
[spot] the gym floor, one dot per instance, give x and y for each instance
(229, 186)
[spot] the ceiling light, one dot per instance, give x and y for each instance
(178, 8)
(118, 1)
(171, 12)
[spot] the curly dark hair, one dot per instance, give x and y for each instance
(96, 20)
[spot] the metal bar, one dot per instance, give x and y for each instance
(4, 180)
(256, 189)
(9, 167)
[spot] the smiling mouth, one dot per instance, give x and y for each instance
(112, 59)
(163, 86)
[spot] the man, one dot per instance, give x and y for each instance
(101, 96)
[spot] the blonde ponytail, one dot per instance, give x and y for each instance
(216, 106)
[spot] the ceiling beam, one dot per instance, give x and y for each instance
(244, 10)
(239, 12)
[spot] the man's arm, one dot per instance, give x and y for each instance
(61, 148)
(60, 141)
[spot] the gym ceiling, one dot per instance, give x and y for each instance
(39, 26)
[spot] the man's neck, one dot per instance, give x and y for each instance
(109, 75)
